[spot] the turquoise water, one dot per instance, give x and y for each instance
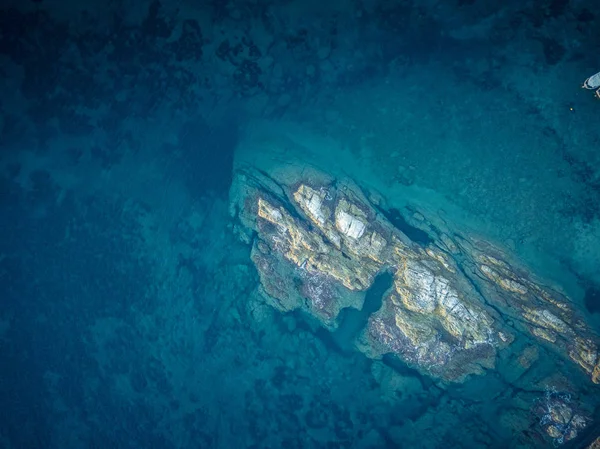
(130, 308)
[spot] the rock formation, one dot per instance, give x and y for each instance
(318, 243)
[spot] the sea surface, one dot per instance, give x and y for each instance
(124, 288)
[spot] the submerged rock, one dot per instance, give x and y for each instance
(559, 417)
(455, 304)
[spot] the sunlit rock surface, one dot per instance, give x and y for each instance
(455, 305)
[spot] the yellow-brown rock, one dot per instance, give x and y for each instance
(454, 303)
(548, 313)
(308, 250)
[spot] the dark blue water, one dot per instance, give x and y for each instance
(415, 234)
(128, 311)
(353, 321)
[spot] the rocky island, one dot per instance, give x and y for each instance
(457, 305)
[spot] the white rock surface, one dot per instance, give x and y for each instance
(349, 225)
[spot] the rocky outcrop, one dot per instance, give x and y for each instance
(545, 313)
(431, 320)
(454, 305)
